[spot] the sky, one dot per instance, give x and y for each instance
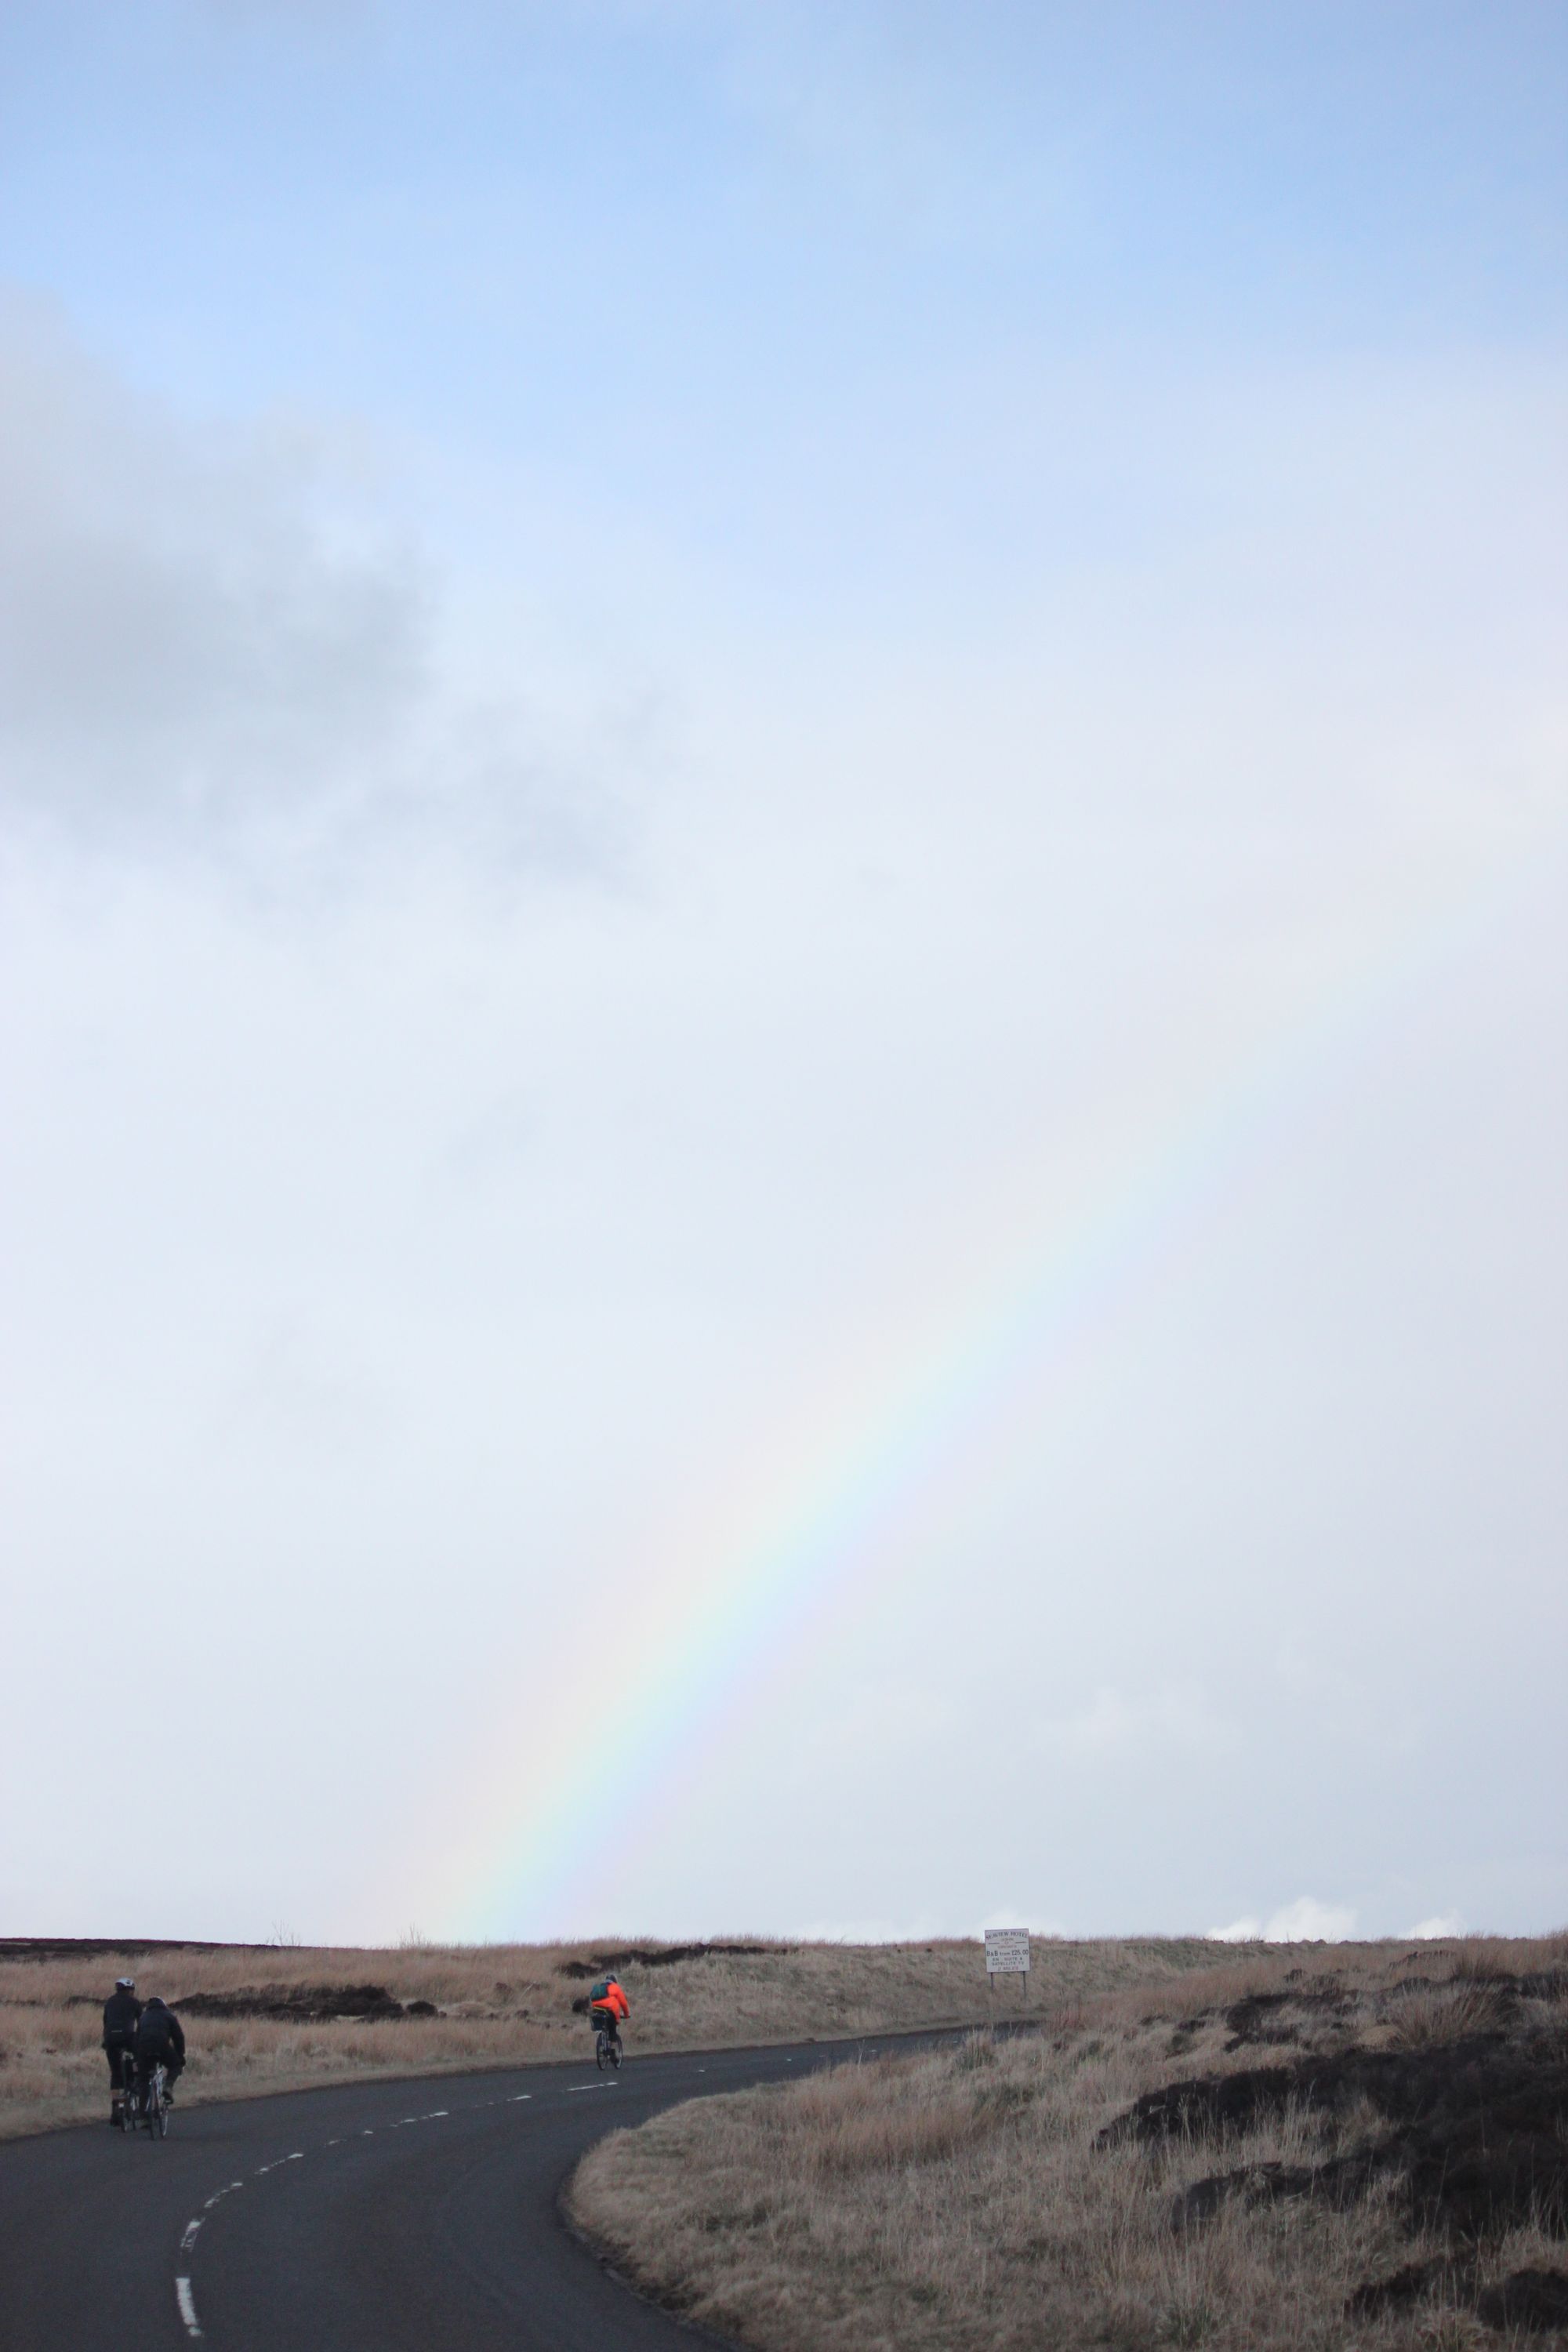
(783, 1019)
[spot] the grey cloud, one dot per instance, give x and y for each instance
(201, 644)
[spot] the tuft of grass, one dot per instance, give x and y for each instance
(849, 2124)
(1188, 2321)
(1440, 2013)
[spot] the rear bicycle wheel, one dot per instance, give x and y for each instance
(599, 2049)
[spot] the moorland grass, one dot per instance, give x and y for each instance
(501, 2004)
(970, 2198)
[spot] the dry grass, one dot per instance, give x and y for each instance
(504, 2004)
(955, 2201)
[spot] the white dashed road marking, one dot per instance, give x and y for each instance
(183, 2295)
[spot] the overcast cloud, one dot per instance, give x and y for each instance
(687, 703)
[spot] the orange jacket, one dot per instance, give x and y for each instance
(614, 1999)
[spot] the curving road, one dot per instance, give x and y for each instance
(367, 2218)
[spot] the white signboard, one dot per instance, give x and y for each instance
(1007, 1951)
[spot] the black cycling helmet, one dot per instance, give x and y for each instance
(156, 2001)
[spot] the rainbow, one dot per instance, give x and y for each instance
(899, 1451)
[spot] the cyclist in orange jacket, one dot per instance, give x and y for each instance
(607, 2004)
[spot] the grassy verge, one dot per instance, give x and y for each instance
(1328, 2146)
(261, 2019)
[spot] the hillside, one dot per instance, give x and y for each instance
(1324, 2145)
(265, 2017)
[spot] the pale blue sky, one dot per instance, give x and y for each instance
(757, 277)
(676, 682)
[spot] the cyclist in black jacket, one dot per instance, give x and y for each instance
(161, 2041)
(122, 2016)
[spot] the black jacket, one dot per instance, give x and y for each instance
(160, 2033)
(121, 2015)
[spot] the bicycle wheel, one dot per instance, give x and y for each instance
(599, 2047)
(615, 2050)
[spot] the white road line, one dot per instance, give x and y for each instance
(296, 2155)
(183, 2286)
(588, 2086)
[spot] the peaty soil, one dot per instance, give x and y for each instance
(1465, 2140)
(306, 2004)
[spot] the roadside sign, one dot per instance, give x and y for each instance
(1007, 1951)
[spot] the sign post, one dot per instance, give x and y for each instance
(1006, 1955)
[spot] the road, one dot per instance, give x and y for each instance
(363, 2218)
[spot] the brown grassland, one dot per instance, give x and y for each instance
(1297, 2147)
(272, 2018)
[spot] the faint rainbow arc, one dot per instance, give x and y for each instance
(717, 1616)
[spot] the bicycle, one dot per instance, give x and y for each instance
(150, 2110)
(607, 2049)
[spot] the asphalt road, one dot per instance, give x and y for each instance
(365, 2218)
